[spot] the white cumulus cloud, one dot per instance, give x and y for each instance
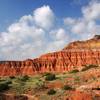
(29, 36)
(44, 17)
(26, 38)
(85, 26)
(35, 34)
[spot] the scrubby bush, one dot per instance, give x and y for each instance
(24, 78)
(4, 86)
(8, 82)
(67, 87)
(51, 92)
(74, 71)
(46, 74)
(50, 77)
(77, 79)
(97, 88)
(19, 88)
(40, 85)
(89, 67)
(12, 77)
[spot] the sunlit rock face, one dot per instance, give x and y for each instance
(73, 56)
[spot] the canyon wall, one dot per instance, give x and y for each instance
(74, 56)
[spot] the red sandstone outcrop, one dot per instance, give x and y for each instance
(77, 95)
(75, 55)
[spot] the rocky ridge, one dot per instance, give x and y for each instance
(74, 56)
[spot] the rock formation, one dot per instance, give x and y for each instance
(73, 56)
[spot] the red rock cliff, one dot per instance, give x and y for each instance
(75, 55)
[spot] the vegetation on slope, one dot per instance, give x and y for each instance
(49, 85)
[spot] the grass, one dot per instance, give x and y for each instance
(38, 83)
(50, 77)
(74, 71)
(87, 67)
(20, 84)
(4, 86)
(67, 87)
(51, 92)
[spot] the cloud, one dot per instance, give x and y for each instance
(44, 17)
(59, 38)
(35, 34)
(69, 21)
(92, 11)
(26, 38)
(85, 26)
(59, 34)
(79, 27)
(29, 36)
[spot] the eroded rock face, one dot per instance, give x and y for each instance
(74, 56)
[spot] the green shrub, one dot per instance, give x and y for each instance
(97, 88)
(89, 67)
(24, 78)
(19, 88)
(74, 71)
(46, 74)
(51, 92)
(12, 77)
(77, 79)
(4, 86)
(50, 77)
(8, 82)
(67, 87)
(40, 85)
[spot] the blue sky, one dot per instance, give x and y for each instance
(30, 28)
(12, 10)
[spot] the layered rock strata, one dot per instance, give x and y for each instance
(74, 56)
